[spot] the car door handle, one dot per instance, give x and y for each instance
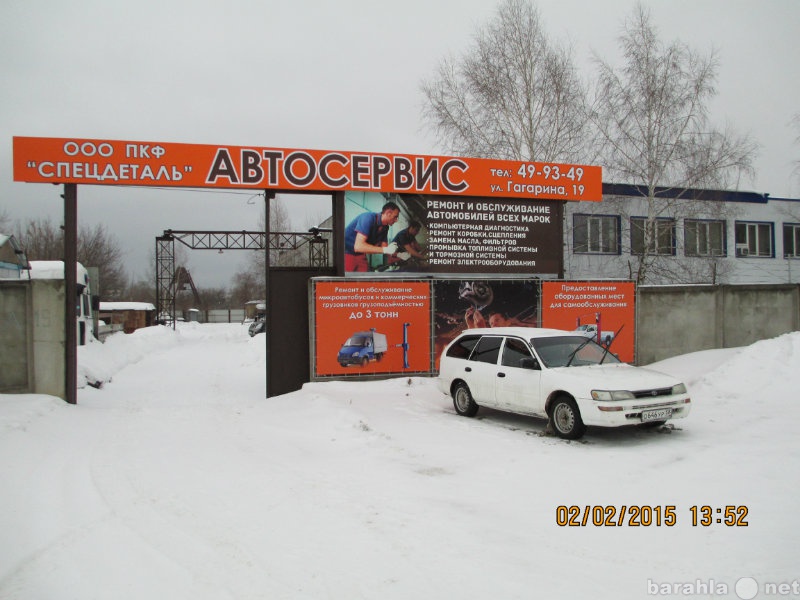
(501, 374)
(468, 369)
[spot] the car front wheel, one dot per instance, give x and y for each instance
(566, 418)
(463, 401)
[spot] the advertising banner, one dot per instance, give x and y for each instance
(371, 327)
(119, 162)
(468, 303)
(451, 235)
(602, 310)
(388, 327)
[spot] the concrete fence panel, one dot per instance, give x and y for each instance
(16, 342)
(674, 320)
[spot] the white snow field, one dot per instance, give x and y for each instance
(178, 479)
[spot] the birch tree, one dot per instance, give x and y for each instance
(249, 283)
(796, 124)
(652, 127)
(513, 94)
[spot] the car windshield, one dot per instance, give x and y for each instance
(571, 351)
(357, 340)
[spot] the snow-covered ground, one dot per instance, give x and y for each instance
(178, 479)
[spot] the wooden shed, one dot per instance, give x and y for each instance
(127, 316)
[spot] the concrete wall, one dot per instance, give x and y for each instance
(16, 349)
(49, 337)
(32, 337)
(673, 320)
(670, 320)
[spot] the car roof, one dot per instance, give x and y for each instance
(523, 332)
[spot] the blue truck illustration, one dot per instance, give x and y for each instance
(362, 347)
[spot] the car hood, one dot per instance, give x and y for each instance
(347, 350)
(615, 377)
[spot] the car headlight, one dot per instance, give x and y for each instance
(608, 395)
(678, 389)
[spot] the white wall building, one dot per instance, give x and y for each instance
(695, 236)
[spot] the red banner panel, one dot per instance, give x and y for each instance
(371, 327)
(119, 162)
(602, 310)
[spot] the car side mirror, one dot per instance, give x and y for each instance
(530, 363)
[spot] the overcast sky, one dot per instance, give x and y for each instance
(338, 75)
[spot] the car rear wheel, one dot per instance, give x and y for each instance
(566, 418)
(463, 401)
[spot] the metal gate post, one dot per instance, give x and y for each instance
(268, 195)
(71, 291)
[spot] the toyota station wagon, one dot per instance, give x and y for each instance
(559, 375)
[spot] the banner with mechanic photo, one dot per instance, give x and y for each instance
(401, 233)
(602, 310)
(371, 327)
(461, 304)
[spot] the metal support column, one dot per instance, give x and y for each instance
(317, 249)
(71, 291)
(268, 195)
(337, 206)
(165, 279)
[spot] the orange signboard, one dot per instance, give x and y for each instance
(602, 310)
(117, 162)
(371, 327)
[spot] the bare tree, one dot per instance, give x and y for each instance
(514, 94)
(653, 130)
(5, 221)
(216, 297)
(43, 240)
(98, 248)
(249, 282)
(247, 286)
(279, 222)
(796, 124)
(789, 210)
(142, 290)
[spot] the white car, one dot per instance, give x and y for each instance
(590, 330)
(555, 374)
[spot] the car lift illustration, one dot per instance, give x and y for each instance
(404, 345)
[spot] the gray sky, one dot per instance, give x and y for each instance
(338, 75)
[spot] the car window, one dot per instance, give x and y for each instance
(463, 346)
(574, 350)
(487, 350)
(514, 351)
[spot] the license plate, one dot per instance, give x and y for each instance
(662, 414)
